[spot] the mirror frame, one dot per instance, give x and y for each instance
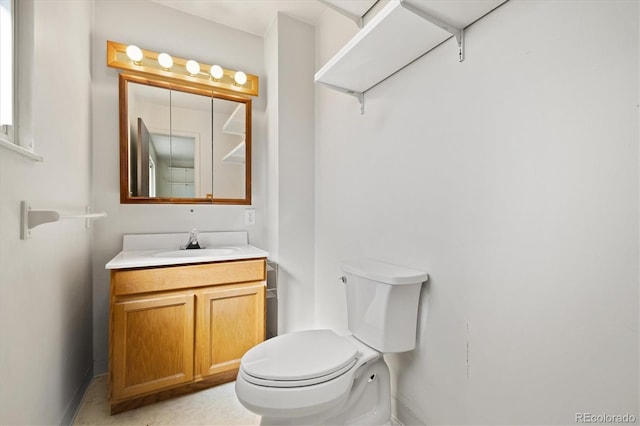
(125, 197)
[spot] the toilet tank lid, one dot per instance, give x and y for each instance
(384, 272)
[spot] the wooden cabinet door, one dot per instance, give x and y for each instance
(152, 343)
(231, 321)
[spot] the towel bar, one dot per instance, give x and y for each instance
(31, 218)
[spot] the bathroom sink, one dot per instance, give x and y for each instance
(148, 250)
(212, 252)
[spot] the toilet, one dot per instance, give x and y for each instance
(318, 377)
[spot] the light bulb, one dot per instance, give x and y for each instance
(134, 53)
(240, 78)
(165, 60)
(216, 72)
(193, 67)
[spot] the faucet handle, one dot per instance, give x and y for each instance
(193, 240)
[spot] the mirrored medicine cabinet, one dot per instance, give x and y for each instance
(181, 142)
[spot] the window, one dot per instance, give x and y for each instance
(7, 39)
(16, 29)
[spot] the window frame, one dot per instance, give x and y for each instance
(7, 130)
(11, 138)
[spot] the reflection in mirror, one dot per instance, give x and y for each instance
(229, 150)
(173, 167)
(183, 145)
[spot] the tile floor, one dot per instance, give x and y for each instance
(217, 406)
(214, 406)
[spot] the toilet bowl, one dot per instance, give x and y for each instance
(305, 376)
(317, 377)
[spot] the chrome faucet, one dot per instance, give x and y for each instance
(193, 241)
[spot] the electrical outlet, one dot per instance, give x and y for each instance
(249, 217)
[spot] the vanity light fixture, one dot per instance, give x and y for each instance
(193, 68)
(240, 78)
(165, 60)
(216, 72)
(135, 54)
(172, 69)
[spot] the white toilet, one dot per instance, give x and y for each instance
(317, 377)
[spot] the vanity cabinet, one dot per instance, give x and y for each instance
(229, 314)
(152, 343)
(178, 329)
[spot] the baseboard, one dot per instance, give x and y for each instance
(72, 409)
(402, 414)
(100, 367)
(395, 421)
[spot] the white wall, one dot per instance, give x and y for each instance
(45, 282)
(512, 178)
(158, 28)
(290, 58)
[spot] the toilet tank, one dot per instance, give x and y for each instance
(382, 303)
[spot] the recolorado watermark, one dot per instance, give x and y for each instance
(605, 418)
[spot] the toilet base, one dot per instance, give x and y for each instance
(368, 403)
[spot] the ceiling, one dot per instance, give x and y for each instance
(255, 16)
(252, 16)
(178, 151)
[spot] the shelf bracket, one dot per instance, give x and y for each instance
(458, 33)
(30, 219)
(358, 95)
(359, 20)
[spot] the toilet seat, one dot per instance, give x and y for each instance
(289, 386)
(298, 359)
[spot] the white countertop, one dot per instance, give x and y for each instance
(145, 250)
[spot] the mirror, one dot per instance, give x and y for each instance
(183, 144)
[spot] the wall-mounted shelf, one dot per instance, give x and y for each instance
(396, 36)
(236, 155)
(181, 175)
(235, 124)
